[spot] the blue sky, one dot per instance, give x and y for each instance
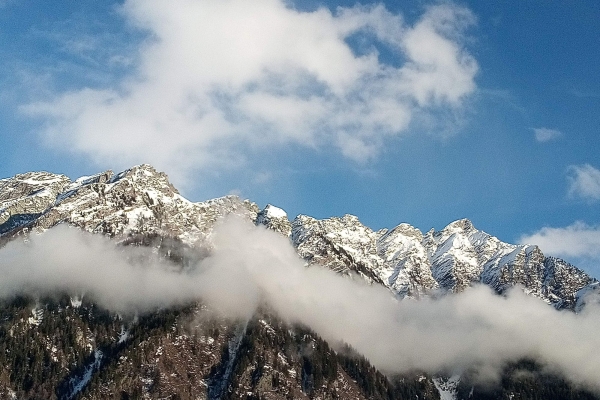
(418, 112)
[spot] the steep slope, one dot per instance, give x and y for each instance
(403, 252)
(25, 197)
(341, 244)
(462, 255)
(81, 351)
(395, 259)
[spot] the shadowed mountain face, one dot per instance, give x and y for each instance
(61, 347)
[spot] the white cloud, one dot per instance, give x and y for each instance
(584, 182)
(121, 279)
(575, 240)
(216, 77)
(546, 134)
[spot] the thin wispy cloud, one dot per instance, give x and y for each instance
(584, 93)
(218, 78)
(546, 134)
(584, 182)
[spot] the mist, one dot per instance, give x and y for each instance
(251, 265)
(65, 259)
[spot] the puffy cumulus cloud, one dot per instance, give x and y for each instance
(546, 134)
(218, 77)
(576, 240)
(250, 265)
(584, 182)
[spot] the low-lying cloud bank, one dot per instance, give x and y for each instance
(67, 259)
(251, 264)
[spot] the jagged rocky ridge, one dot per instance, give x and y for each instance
(410, 263)
(101, 359)
(135, 200)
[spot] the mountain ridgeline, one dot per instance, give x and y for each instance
(64, 346)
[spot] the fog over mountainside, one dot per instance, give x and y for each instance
(458, 302)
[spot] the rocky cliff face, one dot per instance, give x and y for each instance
(275, 219)
(25, 197)
(138, 200)
(412, 264)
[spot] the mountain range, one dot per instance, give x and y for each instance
(65, 346)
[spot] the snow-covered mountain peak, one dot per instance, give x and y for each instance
(402, 237)
(146, 176)
(270, 211)
(463, 226)
(35, 178)
(409, 230)
(101, 177)
(274, 218)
